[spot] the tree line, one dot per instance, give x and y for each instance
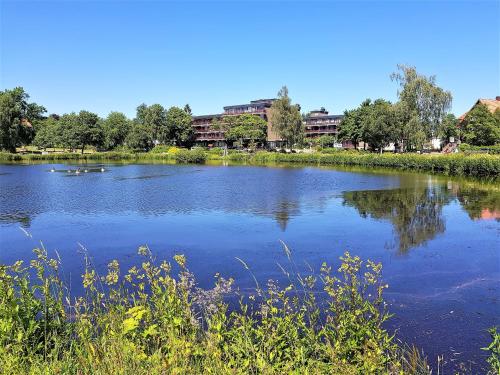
(420, 114)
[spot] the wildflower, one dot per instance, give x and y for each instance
(143, 250)
(180, 260)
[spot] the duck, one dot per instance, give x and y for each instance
(102, 169)
(52, 170)
(77, 171)
(86, 170)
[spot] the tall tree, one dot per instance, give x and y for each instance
(378, 124)
(426, 103)
(286, 120)
(155, 118)
(140, 137)
(481, 127)
(187, 109)
(244, 129)
(16, 118)
(48, 133)
(351, 127)
(115, 128)
(449, 127)
(179, 128)
(81, 130)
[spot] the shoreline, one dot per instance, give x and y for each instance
(478, 165)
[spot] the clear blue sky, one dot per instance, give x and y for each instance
(114, 55)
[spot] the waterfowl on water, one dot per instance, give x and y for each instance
(52, 170)
(86, 170)
(102, 169)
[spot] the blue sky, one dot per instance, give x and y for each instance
(114, 55)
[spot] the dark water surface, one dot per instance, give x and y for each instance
(438, 237)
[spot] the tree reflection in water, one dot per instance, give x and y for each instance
(416, 213)
(479, 203)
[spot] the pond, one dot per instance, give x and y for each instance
(437, 237)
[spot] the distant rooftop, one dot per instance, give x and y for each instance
(259, 102)
(491, 104)
(323, 113)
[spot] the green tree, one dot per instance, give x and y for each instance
(286, 120)
(326, 141)
(378, 124)
(425, 103)
(481, 127)
(179, 127)
(140, 137)
(449, 128)
(244, 129)
(115, 129)
(155, 118)
(81, 130)
(187, 109)
(16, 118)
(351, 127)
(48, 133)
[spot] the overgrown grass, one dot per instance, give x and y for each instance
(179, 156)
(461, 164)
(455, 164)
(148, 321)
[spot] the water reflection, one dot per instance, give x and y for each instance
(416, 214)
(479, 204)
(15, 218)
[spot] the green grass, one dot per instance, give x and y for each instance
(455, 164)
(460, 164)
(152, 319)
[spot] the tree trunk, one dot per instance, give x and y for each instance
(83, 148)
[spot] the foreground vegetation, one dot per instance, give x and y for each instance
(462, 164)
(149, 321)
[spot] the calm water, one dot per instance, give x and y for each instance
(437, 237)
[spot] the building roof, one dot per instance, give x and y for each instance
(207, 116)
(491, 104)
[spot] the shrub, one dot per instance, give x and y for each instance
(160, 149)
(190, 156)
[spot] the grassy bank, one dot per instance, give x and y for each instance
(461, 164)
(178, 155)
(154, 320)
(455, 164)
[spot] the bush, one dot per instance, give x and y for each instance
(160, 149)
(190, 156)
(150, 320)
